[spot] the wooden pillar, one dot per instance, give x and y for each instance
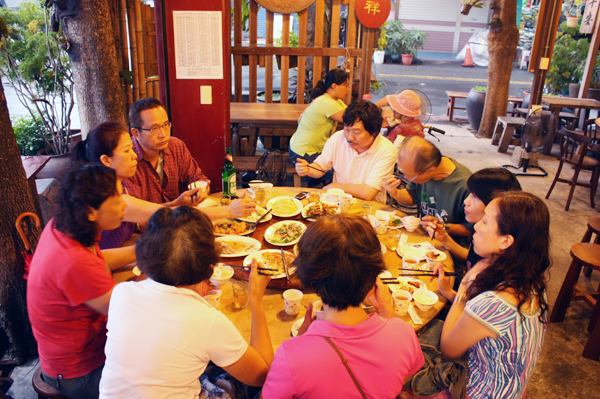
(590, 63)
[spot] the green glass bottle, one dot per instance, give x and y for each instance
(229, 181)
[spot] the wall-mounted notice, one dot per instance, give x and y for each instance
(198, 44)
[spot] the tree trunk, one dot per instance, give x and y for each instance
(502, 45)
(87, 26)
(16, 199)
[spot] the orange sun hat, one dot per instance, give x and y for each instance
(407, 103)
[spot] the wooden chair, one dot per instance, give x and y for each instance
(593, 228)
(584, 255)
(44, 390)
(569, 153)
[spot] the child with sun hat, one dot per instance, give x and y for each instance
(407, 107)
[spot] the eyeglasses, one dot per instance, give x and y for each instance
(414, 178)
(156, 129)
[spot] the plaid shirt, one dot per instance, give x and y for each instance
(178, 165)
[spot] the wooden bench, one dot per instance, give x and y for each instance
(505, 130)
(243, 164)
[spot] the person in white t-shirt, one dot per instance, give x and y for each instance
(161, 332)
(359, 156)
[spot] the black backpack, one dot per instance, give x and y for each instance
(271, 168)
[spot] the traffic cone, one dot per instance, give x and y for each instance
(468, 59)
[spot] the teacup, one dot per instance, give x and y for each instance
(335, 194)
(292, 300)
(346, 202)
(402, 299)
(268, 187)
(214, 298)
(381, 226)
(409, 262)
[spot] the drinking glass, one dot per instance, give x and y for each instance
(393, 237)
(240, 294)
(366, 209)
(314, 196)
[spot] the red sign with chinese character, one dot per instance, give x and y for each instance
(372, 13)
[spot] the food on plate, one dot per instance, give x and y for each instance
(395, 222)
(258, 212)
(433, 255)
(274, 261)
(424, 298)
(407, 285)
(287, 232)
(285, 206)
(235, 247)
(324, 209)
(232, 227)
(222, 272)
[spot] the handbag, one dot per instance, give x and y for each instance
(362, 393)
(438, 373)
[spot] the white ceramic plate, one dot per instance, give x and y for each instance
(417, 250)
(270, 232)
(310, 206)
(258, 256)
(298, 203)
(258, 212)
(396, 287)
(249, 230)
(392, 218)
(247, 244)
(296, 327)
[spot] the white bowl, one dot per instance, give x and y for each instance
(425, 299)
(410, 223)
(437, 260)
(385, 274)
(224, 274)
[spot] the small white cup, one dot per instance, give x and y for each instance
(254, 184)
(346, 202)
(292, 300)
(202, 185)
(382, 221)
(401, 300)
(318, 310)
(214, 298)
(410, 262)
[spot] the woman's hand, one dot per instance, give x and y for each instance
(390, 184)
(444, 285)
(308, 319)
(434, 228)
(381, 299)
(257, 283)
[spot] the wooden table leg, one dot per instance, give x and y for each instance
(497, 133)
(451, 108)
(564, 296)
(507, 135)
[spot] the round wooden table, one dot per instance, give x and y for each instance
(279, 322)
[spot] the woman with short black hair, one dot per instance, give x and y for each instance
(340, 258)
(162, 333)
(70, 282)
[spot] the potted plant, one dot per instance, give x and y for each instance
(468, 4)
(33, 59)
(568, 56)
(475, 104)
(393, 32)
(30, 138)
(379, 54)
(411, 41)
(573, 13)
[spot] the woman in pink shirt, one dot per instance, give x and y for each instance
(340, 259)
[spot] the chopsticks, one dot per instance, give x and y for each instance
(285, 266)
(247, 269)
(315, 168)
(263, 216)
(192, 180)
(427, 273)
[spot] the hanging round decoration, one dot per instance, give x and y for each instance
(285, 6)
(372, 13)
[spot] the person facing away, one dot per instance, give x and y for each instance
(317, 121)
(70, 281)
(340, 259)
(359, 156)
(162, 333)
(164, 162)
(110, 144)
(499, 313)
(436, 184)
(406, 106)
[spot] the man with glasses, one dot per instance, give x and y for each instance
(359, 156)
(437, 184)
(164, 162)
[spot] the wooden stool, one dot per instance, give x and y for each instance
(505, 127)
(593, 228)
(44, 390)
(588, 255)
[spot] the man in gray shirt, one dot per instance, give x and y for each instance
(437, 184)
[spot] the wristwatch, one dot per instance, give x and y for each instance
(447, 227)
(460, 298)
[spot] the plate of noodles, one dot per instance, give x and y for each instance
(285, 206)
(234, 246)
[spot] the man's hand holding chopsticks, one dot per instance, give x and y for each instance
(303, 168)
